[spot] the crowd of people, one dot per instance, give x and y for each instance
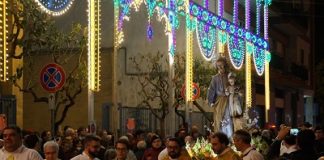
(17, 144)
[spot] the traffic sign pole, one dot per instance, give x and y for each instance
(91, 111)
(51, 103)
(52, 79)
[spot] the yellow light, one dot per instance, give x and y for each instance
(267, 89)
(189, 61)
(137, 4)
(248, 81)
(94, 44)
(221, 45)
(3, 40)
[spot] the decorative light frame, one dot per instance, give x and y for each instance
(3, 40)
(94, 38)
(168, 10)
(64, 6)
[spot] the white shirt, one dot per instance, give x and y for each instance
(251, 154)
(163, 153)
(284, 149)
(83, 156)
(22, 153)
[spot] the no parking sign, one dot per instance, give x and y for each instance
(52, 77)
(195, 91)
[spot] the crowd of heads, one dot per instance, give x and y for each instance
(145, 145)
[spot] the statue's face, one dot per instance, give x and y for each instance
(231, 81)
(221, 67)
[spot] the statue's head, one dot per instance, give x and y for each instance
(221, 65)
(231, 78)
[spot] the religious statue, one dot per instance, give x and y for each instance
(234, 101)
(219, 101)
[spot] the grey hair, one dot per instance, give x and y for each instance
(51, 144)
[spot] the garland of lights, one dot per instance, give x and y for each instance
(258, 54)
(173, 24)
(258, 10)
(221, 24)
(206, 36)
(268, 59)
(236, 46)
(94, 44)
(189, 64)
(248, 72)
(151, 4)
(3, 40)
(55, 7)
(206, 23)
(259, 60)
(220, 7)
(189, 53)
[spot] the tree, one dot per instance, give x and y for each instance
(33, 33)
(154, 82)
(154, 86)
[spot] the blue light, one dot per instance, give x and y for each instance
(236, 49)
(223, 24)
(259, 58)
(55, 6)
(149, 32)
(248, 36)
(206, 36)
(232, 29)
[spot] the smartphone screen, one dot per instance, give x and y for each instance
(294, 131)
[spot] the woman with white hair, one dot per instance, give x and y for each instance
(51, 150)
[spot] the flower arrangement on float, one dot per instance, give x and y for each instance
(201, 150)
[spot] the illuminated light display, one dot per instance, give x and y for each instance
(221, 24)
(259, 60)
(258, 18)
(55, 7)
(268, 58)
(189, 65)
(248, 81)
(3, 40)
(222, 38)
(206, 36)
(235, 11)
(220, 7)
(189, 54)
(94, 45)
(247, 14)
(248, 72)
(149, 32)
(236, 46)
(239, 40)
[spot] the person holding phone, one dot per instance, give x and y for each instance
(277, 148)
(304, 148)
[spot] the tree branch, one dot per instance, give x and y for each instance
(31, 91)
(69, 105)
